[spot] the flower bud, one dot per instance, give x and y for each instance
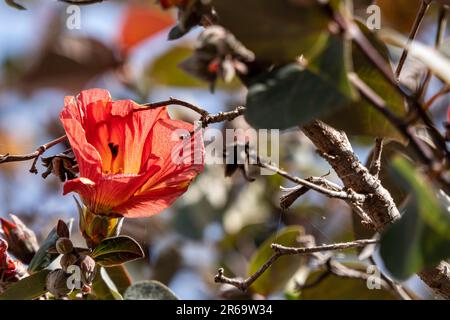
(86, 289)
(87, 266)
(95, 228)
(57, 283)
(64, 245)
(22, 240)
(68, 260)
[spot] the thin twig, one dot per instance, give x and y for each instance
(444, 90)
(326, 247)
(34, 155)
(440, 33)
(424, 5)
(244, 284)
(380, 105)
(375, 164)
(425, 155)
(423, 152)
(223, 116)
(173, 101)
(397, 288)
(206, 117)
(348, 196)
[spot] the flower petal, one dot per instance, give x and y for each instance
(174, 178)
(88, 158)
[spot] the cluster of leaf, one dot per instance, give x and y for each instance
(42, 280)
(297, 71)
(300, 73)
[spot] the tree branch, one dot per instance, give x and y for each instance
(435, 169)
(34, 155)
(440, 32)
(205, 117)
(352, 30)
(378, 203)
(424, 5)
(343, 195)
(326, 247)
(375, 164)
(381, 207)
(244, 284)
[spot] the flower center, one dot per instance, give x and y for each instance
(114, 149)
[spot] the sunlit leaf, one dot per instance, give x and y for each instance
(421, 238)
(165, 71)
(339, 288)
(276, 277)
(28, 288)
(42, 258)
(117, 250)
(102, 289)
(149, 290)
(120, 277)
(141, 22)
(14, 4)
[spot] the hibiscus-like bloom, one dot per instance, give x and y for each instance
(132, 163)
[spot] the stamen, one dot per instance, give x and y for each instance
(114, 149)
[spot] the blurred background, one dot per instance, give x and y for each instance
(220, 222)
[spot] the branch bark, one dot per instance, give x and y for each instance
(379, 206)
(438, 279)
(278, 251)
(336, 149)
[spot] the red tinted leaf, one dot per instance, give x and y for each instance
(142, 22)
(166, 4)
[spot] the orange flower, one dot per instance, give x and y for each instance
(132, 163)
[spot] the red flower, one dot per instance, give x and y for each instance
(126, 158)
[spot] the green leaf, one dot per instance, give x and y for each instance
(117, 250)
(15, 5)
(293, 95)
(365, 119)
(120, 277)
(276, 277)
(28, 288)
(391, 149)
(42, 258)
(276, 31)
(338, 288)
(102, 289)
(421, 238)
(149, 290)
(164, 70)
